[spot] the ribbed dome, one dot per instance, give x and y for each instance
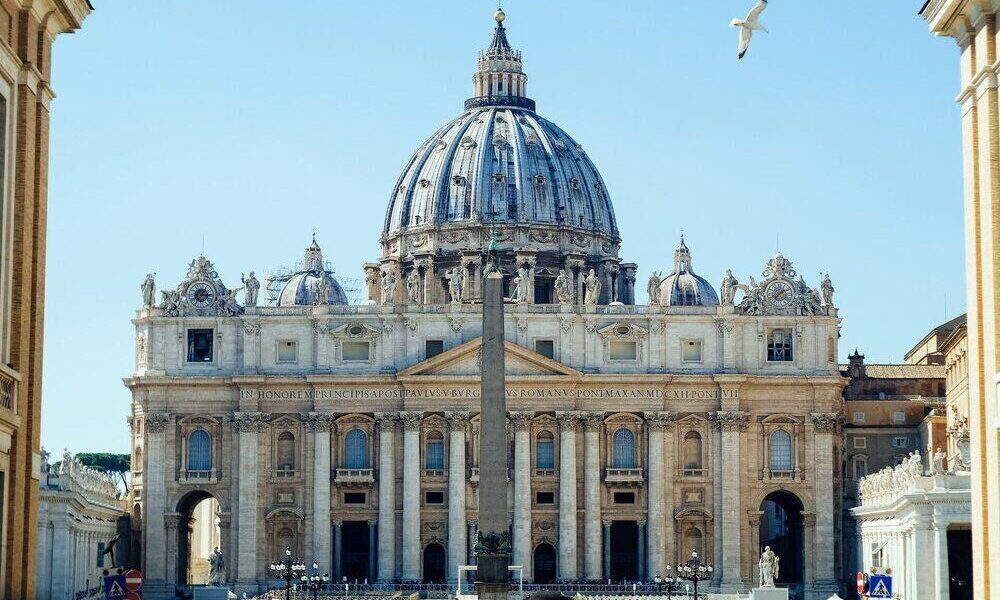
(303, 288)
(683, 287)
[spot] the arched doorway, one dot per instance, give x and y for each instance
(434, 563)
(198, 534)
(545, 564)
(781, 529)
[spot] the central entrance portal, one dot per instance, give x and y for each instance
(781, 529)
(356, 551)
(624, 551)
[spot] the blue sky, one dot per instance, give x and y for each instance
(243, 125)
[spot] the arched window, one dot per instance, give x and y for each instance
(692, 450)
(199, 451)
(860, 466)
(435, 451)
(286, 451)
(624, 449)
(781, 451)
(545, 451)
(694, 541)
(356, 450)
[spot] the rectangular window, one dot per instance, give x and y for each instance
(860, 467)
(355, 498)
(433, 347)
(860, 442)
(200, 345)
(859, 417)
(899, 442)
(624, 498)
(434, 498)
(288, 352)
(622, 351)
(546, 348)
(779, 345)
(356, 351)
(691, 351)
(899, 417)
(545, 497)
(100, 555)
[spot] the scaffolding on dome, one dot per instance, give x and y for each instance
(275, 280)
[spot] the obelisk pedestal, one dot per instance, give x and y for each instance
(493, 544)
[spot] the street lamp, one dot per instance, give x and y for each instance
(672, 584)
(314, 582)
(288, 571)
(694, 571)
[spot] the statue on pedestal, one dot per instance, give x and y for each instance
(653, 288)
(413, 287)
(250, 288)
(937, 463)
(217, 568)
(455, 282)
(148, 291)
(564, 289)
(593, 288)
(827, 288)
(388, 287)
(768, 567)
(728, 289)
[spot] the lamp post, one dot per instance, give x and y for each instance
(313, 583)
(694, 571)
(288, 571)
(671, 584)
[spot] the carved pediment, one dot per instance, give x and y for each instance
(623, 331)
(355, 331)
(464, 361)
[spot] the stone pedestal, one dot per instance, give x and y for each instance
(769, 593)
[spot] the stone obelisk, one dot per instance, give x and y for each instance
(493, 545)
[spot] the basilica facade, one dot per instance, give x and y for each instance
(703, 421)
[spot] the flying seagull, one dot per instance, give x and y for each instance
(748, 26)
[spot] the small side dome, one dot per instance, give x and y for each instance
(306, 287)
(683, 287)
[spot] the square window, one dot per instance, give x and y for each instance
(859, 417)
(779, 345)
(546, 348)
(860, 468)
(899, 442)
(434, 498)
(860, 442)
(355, 498)
(545, 497)
(200, 345)
(356, 351)
(899, 417)
(288, 352)
(691, 350)
(433, 347)
(622, 351)
(624, 498)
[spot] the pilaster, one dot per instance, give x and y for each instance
(732, 424)
(567, 562)
(522, 490)
(386, 496)
(457, 542)
(592, 567)
(411, 495)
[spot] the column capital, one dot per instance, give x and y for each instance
(825, 422)
(472, 523)
(592, 421)
(606, 523)
(411, 420)
(249, 422)
(661, 420)
(320, 422)
(458, 419)
(386, 419)
(372, 522)
(729, 420)
(568, 419)
(157, 422)
(521, 419)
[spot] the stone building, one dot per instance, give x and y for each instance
(703, 421)
(28, 29)
(974, 26)
(78, 516)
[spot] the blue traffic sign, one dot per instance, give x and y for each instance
(880, 586)
(114, 587)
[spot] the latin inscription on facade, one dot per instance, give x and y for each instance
(473, 393)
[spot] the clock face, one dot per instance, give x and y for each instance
(780, 294)
(201, 294)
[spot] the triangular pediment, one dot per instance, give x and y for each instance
(463, 361)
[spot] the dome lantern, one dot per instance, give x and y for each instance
(500, 79)
(683, 287)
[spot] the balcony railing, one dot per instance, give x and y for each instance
(780, 474)
(474, 475)
(285, 473)
(433, 472)
(354, 477)
(8, 389)
(692, 472)
(195, 475)
(623, 477)
(545, 472)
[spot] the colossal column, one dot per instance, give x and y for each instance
(732, 423)
(567, 494)
(660, 526)
(522, 490)
(457, 544)
(825, 426)
(386, 496)
(248, 426)
(592, 496)
(154, 507)
(319, 425)
(411, 495)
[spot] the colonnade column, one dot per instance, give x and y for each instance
(825, 426)
(320, 424)
(641, 553)
(656, 513)
(607, 548)
(154, 507)
(942, 590)
(592, 566)
(457, 542)
(248, 426)
(338, 549)
(411, 495)
(521, 551)
(472, 525)
(386, 496)
(372, 525)
(61, 545)
(732, 423)
(567, 495)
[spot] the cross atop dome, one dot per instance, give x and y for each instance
(682, 258)
(499, 80)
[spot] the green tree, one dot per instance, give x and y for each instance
(107, 462)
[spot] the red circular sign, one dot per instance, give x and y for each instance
(133, 596)
(861, 583)
(133, 580)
